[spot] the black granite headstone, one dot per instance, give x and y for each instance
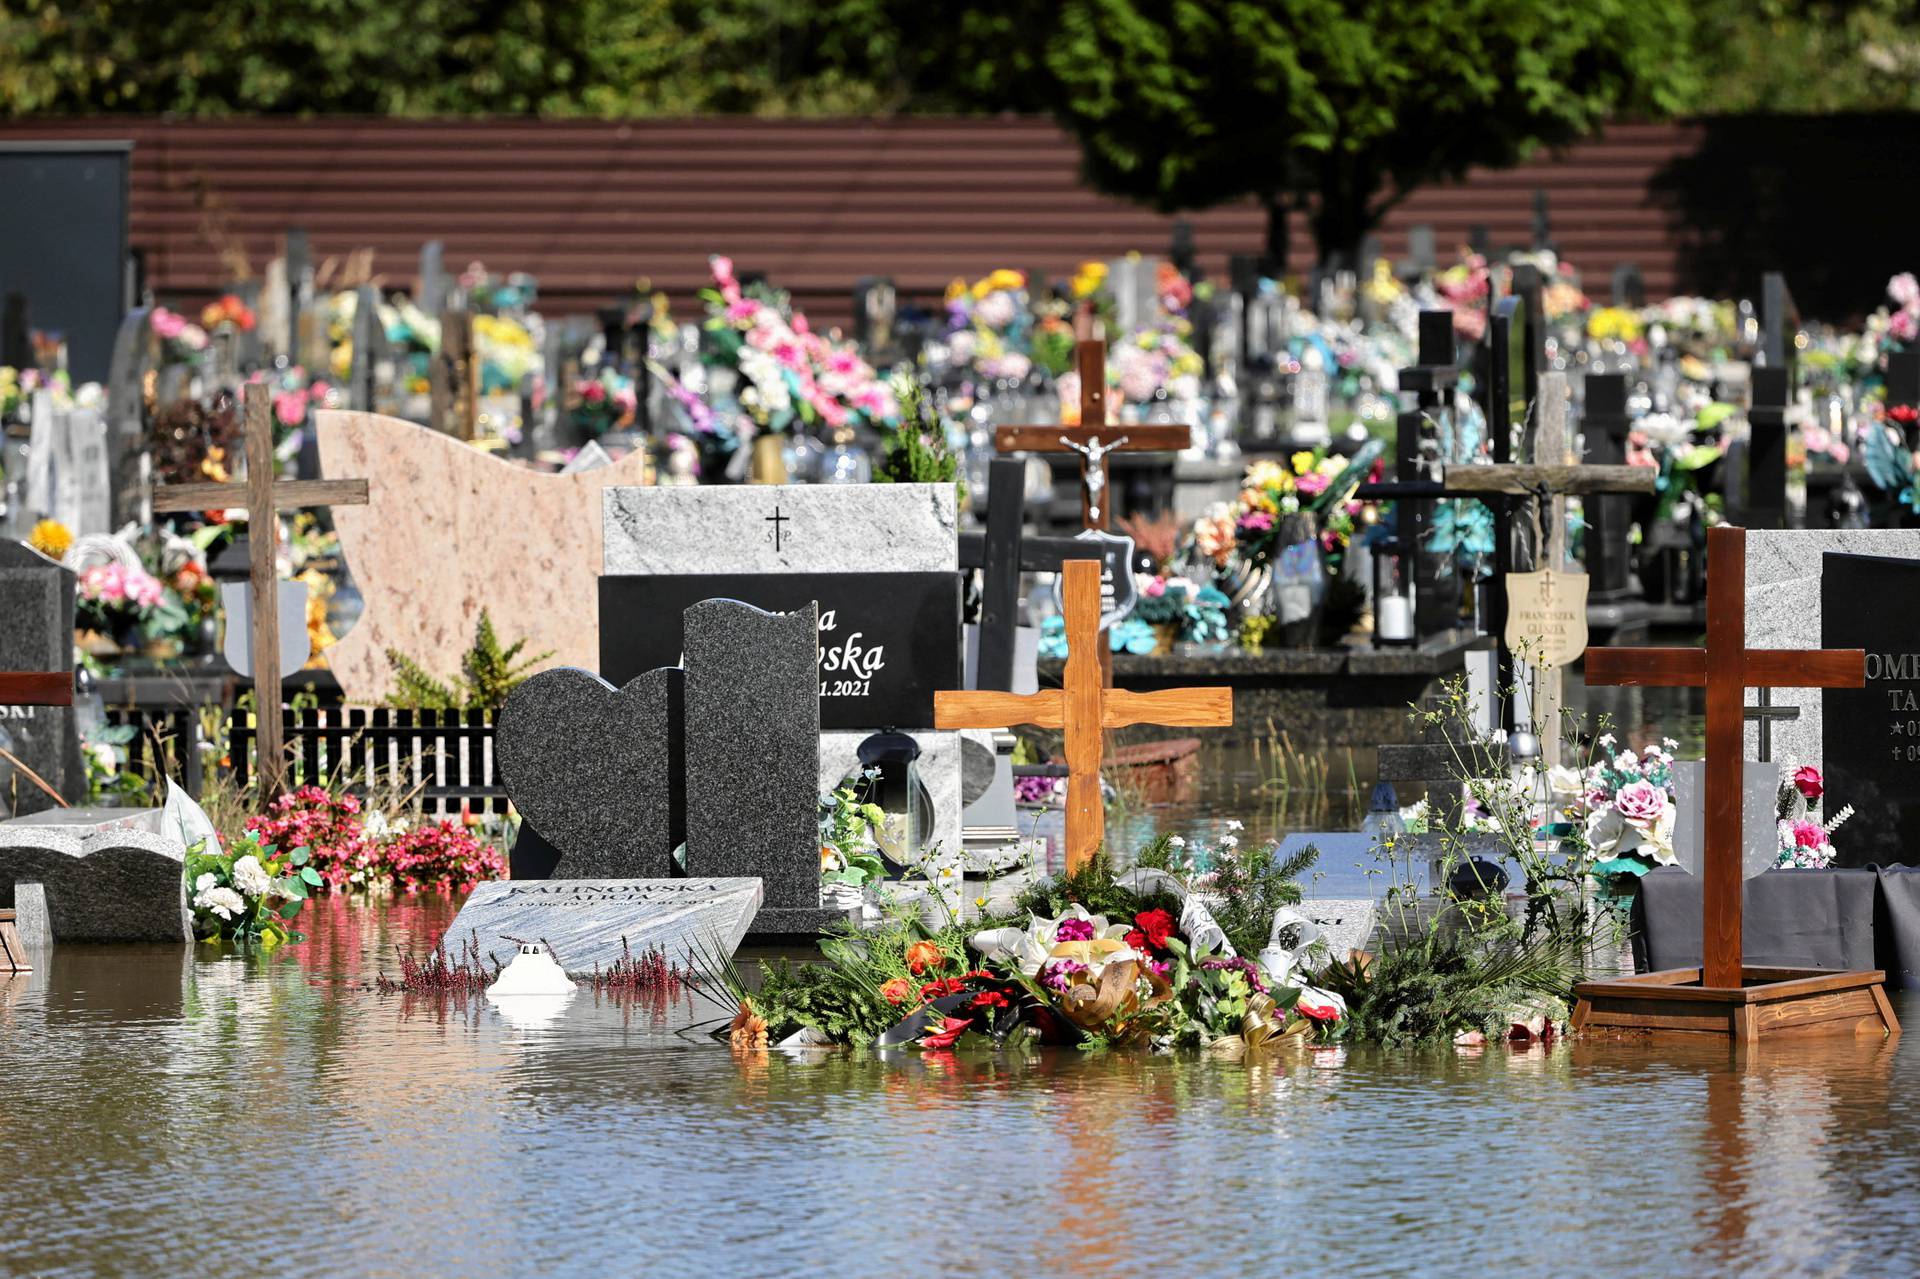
(1870, 737)
(596, 772)
(753, 755)
(887, 640)
(36, 634)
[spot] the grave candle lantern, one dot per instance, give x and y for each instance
(1392, 598)
(896, 787)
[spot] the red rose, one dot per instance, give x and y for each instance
(1136, 939)
(944, 1037)
(896, 990)
(988, 999)
(1904, 414)
(944, 986)
(1157, 925)
(1807, 780)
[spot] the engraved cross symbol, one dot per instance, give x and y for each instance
(776, 519)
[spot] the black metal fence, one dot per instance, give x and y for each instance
(441, 760)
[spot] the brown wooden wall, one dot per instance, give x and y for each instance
(589, 207)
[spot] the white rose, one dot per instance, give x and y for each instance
(223, 902)
(205, 882)
(1565, 782)
(250, 877)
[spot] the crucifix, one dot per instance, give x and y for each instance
(1724, 995)
(776, 519)
(1084, 708)
(36, 688)
(1092, 439)
(262, 499)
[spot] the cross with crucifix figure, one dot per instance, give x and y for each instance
(262, 499)
(1092, 439)
(1736, 999)
(1084, 708)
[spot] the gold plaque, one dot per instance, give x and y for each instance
(1547, 615)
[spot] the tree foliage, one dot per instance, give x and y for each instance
(488, 672)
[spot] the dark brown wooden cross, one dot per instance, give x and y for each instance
(1084, 708)
(1092, 439)
(1726, 668)
(262, 499)
(36, 688)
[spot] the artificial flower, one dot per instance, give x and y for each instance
(923, 955)
(897, 991)
(1807, 780)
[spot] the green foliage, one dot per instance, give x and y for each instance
(915, 451)
(1251, 884)
(253, 904)
(1092, 886)
(488, 673)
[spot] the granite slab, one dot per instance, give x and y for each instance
(109, 886)
(1783, 611)
(590, 923)
(448, 530)
(36, 634)
(596, 771)
(782, 528)
(86, 820)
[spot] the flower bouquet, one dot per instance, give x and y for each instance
(1179, 609)
(1627, 803)
(249, 892)
(1806, 842)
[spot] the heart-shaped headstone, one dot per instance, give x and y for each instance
(596, 770)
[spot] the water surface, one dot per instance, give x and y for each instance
(168, 1112)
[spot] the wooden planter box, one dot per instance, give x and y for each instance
(1771, 1003)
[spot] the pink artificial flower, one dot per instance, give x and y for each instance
(1312, 484)
(1641, 802)
(741, 310)
(1807, 779)
(845, 363)
(1155, 589)
(1808, 834)
(168, 324)
(593, 393)
(1903, 325)
(290, 407)
(625, 400)
(1905, 290)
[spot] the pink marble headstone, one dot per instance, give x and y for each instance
(448, 530)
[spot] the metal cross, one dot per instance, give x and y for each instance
(1764, 714)
(776, 519)
(1094, 473)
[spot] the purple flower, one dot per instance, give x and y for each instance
(1057, 974)
(1241, 966)
(1074, 930)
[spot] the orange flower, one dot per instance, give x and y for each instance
(923, 955)
(897, 990)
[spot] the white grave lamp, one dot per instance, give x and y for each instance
(1392, 597)
(532, 972)
(900, 794)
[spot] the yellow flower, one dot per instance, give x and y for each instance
(1302, 462)
(956, 290)
(1088, 277)
(1007, 278)
(1613, 322)
(51, 538)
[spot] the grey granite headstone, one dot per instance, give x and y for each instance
(595, 770)
(86, 820)
(753, 755)
(36, 634)
(586, 921)
(1759, 838)
(1346, 924)
(1783, 611)
(126, 424)
(109, 886)
(805, 528)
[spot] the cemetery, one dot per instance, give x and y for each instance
(529, 757)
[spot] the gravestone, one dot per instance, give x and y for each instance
(111, 885)
(591, 923)
(1870, 737)
(1785, 610)
(126, 427)
(36, 634)
(746, 540)
(753, 756)
(597, 771)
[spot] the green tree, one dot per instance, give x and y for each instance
(1339, 107)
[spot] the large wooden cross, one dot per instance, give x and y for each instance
(1084, 708)
(1092, 439)
(262, 499)
(1552, 475)
(36, 688)
(1726, 668)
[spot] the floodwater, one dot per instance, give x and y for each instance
(165, 1112)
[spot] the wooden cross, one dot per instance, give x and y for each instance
(1551, 477)
(262, 499)
(1084, 708)
(1092, 439)
(1726, 668)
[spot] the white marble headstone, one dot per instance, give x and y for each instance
(1783, 611)
(590, 923)
(1759, 838)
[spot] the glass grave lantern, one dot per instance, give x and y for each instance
(891, 759)
(1393, 612)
